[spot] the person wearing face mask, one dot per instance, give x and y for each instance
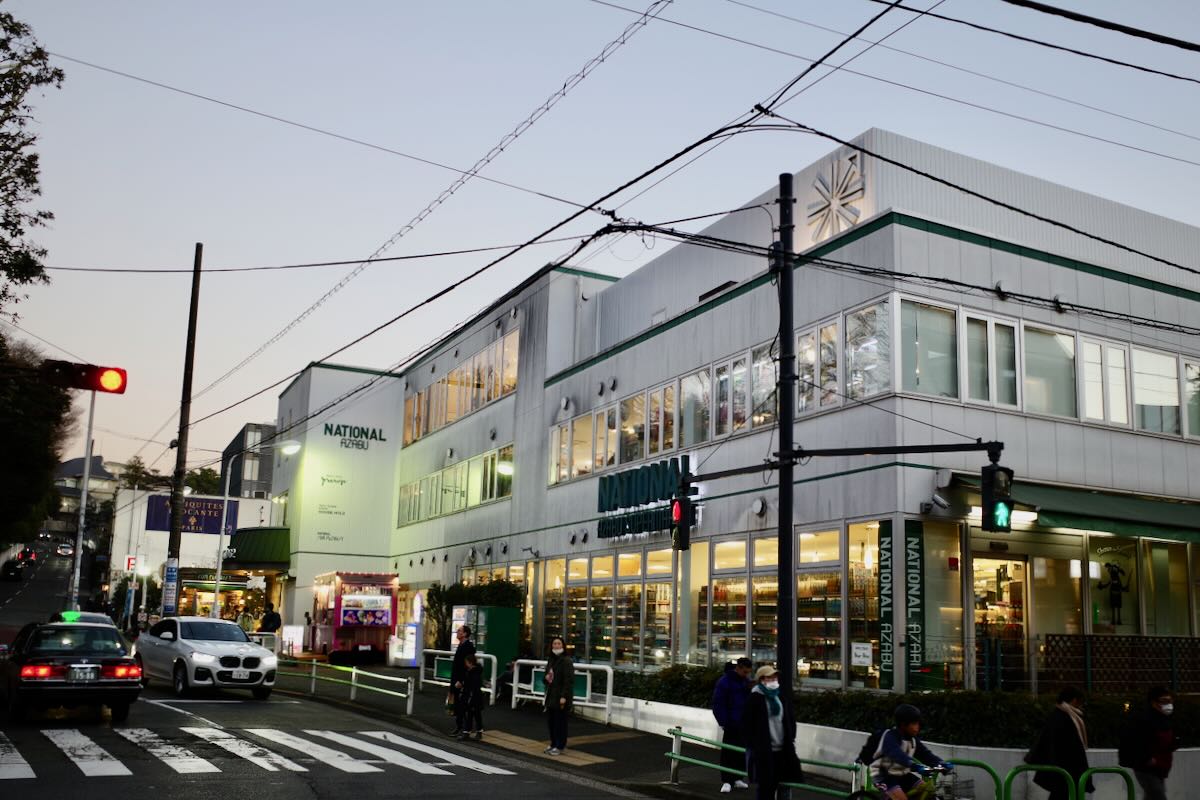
(560, 690)
(1063, 743)
(1148, 743)
(770, 735)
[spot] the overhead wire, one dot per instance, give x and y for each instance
(1087, 19)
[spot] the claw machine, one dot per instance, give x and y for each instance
(354, 614)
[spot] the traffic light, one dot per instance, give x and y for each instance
(681, 523)
(996, 487)
(112, 380)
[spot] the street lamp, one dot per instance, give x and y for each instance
(288, 447)
(144, 571)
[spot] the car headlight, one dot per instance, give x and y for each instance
(203, 658)
(270, 662)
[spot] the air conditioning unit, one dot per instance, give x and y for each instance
(260, 495)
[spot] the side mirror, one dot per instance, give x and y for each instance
(166, 636)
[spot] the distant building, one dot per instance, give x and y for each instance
(252, 473)
(68, 478)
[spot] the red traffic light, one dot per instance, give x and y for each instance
(111, 380)
(676, 511)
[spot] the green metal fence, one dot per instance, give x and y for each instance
(358, 679)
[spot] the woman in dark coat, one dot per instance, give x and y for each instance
(560, 691)
(770, 734)
(1063, 743)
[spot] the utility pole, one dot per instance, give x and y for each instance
(170, 593)
(73, 600)
(786, 655)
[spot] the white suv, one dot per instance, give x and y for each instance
(200, 651)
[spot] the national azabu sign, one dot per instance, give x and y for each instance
(649, 485)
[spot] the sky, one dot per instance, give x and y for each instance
(136, 174)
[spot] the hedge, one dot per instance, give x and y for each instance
(981, 719)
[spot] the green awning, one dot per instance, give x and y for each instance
(1087, 509)
(260, 548)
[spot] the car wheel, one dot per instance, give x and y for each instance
(180, 681)
(142, 667)
(120, 711)
(261, 692)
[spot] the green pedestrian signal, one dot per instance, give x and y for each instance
(1002, 516)
(995, 487)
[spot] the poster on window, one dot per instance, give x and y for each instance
(367, 609)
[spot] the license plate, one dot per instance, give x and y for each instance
(80, 674)
(364, 647)
(241, 674)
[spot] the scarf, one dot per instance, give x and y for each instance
(774, 707)
(1076, 717)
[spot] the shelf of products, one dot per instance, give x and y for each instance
(575, 624)
(600, 624)
(818, 625)
(729, 603)
(764, 620)
(627, 623)
(656, 642)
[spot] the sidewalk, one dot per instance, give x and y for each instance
(634, 760)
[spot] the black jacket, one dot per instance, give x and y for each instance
(472, 691)
(458, 669)
(560, 682)
(1059, 746)
(755, 728)
(1148, 742)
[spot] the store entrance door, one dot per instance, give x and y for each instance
(1001, 592)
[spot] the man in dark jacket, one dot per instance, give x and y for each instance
(903, 757)
(271, 621)
(458, 676)
(769, 724)
(1063, 743)
(1148, 743)
(728, 704)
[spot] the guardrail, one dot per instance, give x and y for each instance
(1083, 779)
(1019, 768)
(676, 756)
(582, 692)
(266, 639)
(356, 682)
(442, 663)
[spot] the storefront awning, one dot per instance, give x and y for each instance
(1125, 514)
(260, 548)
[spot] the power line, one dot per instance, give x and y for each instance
(986, 198)
(60, 349)
(505, 142)
(1050, 45)
(1106, 24)
(975, 73)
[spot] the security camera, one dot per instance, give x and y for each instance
(940, 501)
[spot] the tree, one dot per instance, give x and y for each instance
(24, 67)
(35, 423)
(136, 475)
(205, 480)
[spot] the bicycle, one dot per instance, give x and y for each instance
(928, 789)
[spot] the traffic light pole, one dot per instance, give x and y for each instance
(73, 600)
(785, 659)
(171, 575)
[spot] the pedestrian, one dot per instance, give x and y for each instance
(472, 692)
(560, 692)
(728, 706)
(270, 620)
(458, 676)
(770, 733)
(903, 757)
(1148, 743)
(244, 620)
(307, 644)
(1063, 743)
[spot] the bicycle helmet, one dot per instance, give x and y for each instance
(906, 713)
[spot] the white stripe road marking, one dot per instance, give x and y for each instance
(448, 757)
(250, 751)
(334, 758)
(91, 759)
(388, 755)
(175, 757)
(11, 763)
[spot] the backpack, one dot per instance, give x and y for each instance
(870, 749)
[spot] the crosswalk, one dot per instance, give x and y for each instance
(105, 752)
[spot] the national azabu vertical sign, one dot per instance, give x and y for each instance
(649, 485)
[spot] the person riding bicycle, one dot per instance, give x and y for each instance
(904, 760)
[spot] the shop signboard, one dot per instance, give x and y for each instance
(860, 654)
(200, 514)
(652, 485)
(914, 596)
(170, 592)
(887, 645)
(373, 610)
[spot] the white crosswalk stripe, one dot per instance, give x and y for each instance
(444, 755)
(254, 753)
(173, 756)
(91, 758)
(387, 754)
(334, 758)
(11, 763)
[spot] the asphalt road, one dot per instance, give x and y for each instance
(225, 744)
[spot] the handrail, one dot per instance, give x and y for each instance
(738, 749)
(966, 762)
(1088, 773)
(489, 688)
(355, 683)
(526, 691)
(1019, 768)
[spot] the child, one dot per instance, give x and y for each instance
(472, 698)
(903, 757)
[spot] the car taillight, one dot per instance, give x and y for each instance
(42, 671)
(121, 671)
